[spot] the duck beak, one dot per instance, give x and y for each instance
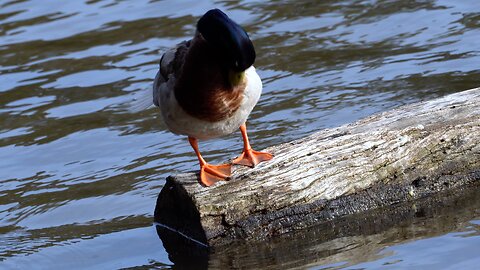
(229, 38)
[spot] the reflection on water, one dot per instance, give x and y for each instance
(79, 175)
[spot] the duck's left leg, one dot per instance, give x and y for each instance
(210, 174)
(250, 157)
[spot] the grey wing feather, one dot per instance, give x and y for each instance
(159, 80)
(170, 65)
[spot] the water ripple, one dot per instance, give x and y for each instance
(80, 174)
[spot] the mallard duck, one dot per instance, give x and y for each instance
(206, 88)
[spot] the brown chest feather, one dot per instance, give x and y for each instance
(203, 88)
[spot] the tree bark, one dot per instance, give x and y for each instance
(392, 157)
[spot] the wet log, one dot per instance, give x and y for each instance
(354, 239)
(397, 156)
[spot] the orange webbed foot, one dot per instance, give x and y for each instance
(251, 158)
(210, 174)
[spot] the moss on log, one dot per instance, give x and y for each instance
(396, 156)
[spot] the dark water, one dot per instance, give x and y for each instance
(79, 175)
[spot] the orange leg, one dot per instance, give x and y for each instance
(250, 157)
(210, 174)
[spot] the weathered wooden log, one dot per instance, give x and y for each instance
(347, 240)
(396, 156)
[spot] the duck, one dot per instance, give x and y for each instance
(206, 88)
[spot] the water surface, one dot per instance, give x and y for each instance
(79, 174)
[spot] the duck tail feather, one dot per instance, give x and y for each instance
(142, 100)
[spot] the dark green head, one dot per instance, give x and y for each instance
(229, 38)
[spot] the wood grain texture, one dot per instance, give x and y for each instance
(396, 156)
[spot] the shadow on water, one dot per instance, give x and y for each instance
(184, 252)
(345, 242)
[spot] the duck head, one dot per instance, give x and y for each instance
(230, 39)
